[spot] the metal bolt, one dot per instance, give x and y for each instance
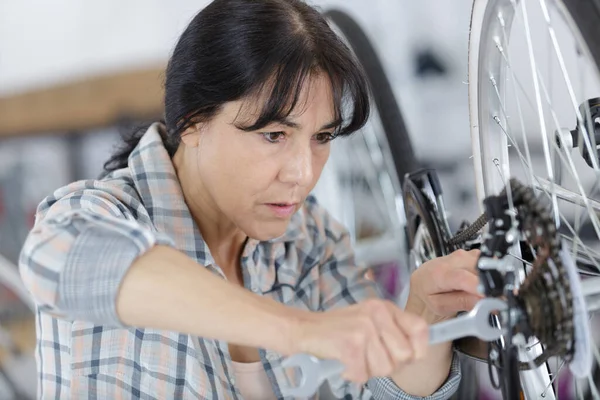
(511, 235)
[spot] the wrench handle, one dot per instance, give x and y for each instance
(330, 368)
(441, 332)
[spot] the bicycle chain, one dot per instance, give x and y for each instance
(545, 295)
(470, 231)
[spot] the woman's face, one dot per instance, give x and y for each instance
(257, 180)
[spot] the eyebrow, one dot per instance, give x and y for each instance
(291, 124)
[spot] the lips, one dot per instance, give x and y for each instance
(282, 210)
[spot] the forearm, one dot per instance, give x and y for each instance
(424, 377)
(164, 289)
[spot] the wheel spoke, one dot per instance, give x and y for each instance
(578, 391)
(502, 143)
(563, 218)
(573, 170)
(563, 68)
(591, 382)
(547, 186)
(568, 195)
(554, 378)
(540, 112)
(503, 169)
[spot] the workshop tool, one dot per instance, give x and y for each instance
(477, 322)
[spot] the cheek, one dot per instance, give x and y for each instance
(319, 160)
(234, 176)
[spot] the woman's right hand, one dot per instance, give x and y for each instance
(372, 338)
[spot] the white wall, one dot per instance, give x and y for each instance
(43, 42)
(47, 41)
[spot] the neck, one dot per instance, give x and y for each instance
(223, 238)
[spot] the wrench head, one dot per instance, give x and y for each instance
(482, 311)
(310, 379)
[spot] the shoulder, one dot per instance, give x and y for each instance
(114, 194)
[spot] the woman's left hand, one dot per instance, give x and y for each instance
(438, 290)
(444, 286)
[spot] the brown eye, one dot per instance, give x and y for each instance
(324, 137)
(272, 137)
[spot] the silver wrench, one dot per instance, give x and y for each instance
(474, 323)
(314, 371)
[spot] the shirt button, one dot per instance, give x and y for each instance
(271, 356)
(255, 288)
(232, 380)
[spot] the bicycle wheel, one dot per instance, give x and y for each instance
(389, 112)
(534, 85)
(366, 169)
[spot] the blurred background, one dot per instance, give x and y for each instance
(74, 75)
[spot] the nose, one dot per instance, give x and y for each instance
(297, 168)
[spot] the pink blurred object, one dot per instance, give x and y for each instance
(387, 277)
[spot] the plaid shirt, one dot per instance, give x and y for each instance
(85, 238)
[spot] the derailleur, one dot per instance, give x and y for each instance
(428, 231)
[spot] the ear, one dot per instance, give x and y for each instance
(191, 136)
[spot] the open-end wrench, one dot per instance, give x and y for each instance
(314, 371)
(474, 323)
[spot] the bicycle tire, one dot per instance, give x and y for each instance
(586, 16)
(415, 204)
(381, 90)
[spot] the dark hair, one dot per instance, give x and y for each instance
(236, 48)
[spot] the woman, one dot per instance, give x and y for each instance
(199, 261)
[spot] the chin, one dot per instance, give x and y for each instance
(267, 231)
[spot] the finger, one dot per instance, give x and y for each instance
(465, 259)
(394, 337)
(379, 360)
(448, 304)
(447, 275)
(458, 279)
(356, 374)
(357, 369)
(474, 252)
(398, 345)
(416, 331)
(387, 335)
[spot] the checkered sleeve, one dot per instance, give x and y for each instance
(78, 252)
(343, 283)
(385, 388)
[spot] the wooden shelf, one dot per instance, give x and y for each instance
(78, 106)
(23, 333)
